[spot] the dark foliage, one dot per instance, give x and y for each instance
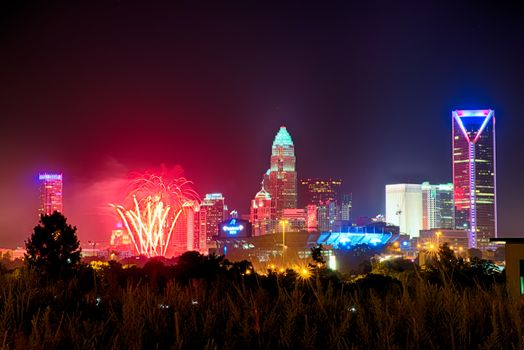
(447, 267)
(210, 302)
(317, 256)
(53, 250)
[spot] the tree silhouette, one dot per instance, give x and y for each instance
(317, 256)
(53, 249)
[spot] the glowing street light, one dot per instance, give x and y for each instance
(438, 233)
(283, 223)
(304, 273)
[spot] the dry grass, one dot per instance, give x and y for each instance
(261, 312)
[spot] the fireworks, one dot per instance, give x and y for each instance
(152, 209)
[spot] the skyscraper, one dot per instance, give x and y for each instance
(333, 207)
(346, 205)
(212, 212)
(282, 177)
(319, 192)
(50, 193)
(474, 182)
(404, 207)
(437, 206)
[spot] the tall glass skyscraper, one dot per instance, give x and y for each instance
(437, 206)
(212, 212)
(474, 183)
(50, 193)
(281, 178)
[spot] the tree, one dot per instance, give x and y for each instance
(317, 256)
(53, 249)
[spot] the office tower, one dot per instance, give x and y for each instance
(325, 195)
(437, 206)
(328, 217)
(282, 177)
(474, 180)
(50, 193)
(200, 225)
(319, 192)
(213, 206)
(346, 205)
(186, 233)
(262, 213)
(404, 207)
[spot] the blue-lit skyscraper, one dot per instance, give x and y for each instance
(50, 193)
(474, 183)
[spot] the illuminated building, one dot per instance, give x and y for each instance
(295, 219)
(213, 206)
(120, 245)
(120, 237)
(474, 174)
(333, 209)
(311, 221)
(262, 213)
(200, 234)
(437, 206)
(234, 228)
(328, 218)
(50, 193)
(404, 207)
(187, 235)
(282, 178)
(346, 204)
(319, 192)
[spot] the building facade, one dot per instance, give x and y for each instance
(211, 214)
(319, 192)
(474, 180)
(346, 205)
(404, 207)
(281, 178)
(50, 193)
(262, 213)
(333, 207)
(437, 206)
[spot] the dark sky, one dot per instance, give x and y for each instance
(96, 89)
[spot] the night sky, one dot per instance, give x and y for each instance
(97, 89)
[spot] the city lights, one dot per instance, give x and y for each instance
(151, 211)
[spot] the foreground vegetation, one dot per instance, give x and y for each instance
(209, 303)
(206, 302)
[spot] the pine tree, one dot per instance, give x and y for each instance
(53, 249)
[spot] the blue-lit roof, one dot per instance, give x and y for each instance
(283, 138)
(345, 240)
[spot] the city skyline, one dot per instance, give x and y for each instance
(98, 91)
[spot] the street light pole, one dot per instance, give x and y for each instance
(283, 222)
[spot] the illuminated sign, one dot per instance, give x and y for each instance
(232, 228)
(50, 177)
